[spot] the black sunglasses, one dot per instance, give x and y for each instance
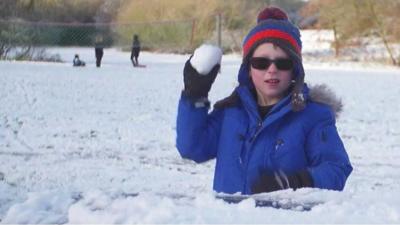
(261, 63)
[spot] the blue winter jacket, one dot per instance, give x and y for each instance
(244, 145)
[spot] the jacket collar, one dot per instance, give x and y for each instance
(279, 110)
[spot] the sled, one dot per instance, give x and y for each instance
(140, 66)
(269, 201)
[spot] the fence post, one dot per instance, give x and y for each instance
(219, 29)
(192, 34)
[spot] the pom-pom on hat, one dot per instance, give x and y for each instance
(273, 26)
(272, 12)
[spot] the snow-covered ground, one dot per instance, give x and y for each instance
(97, 145)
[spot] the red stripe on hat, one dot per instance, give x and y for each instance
(270, 34)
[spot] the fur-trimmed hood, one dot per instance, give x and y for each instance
(321, 93)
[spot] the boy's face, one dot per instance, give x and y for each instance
(271, 83)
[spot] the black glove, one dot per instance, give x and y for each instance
(197, 86)
(269, 182)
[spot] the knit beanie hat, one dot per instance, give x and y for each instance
(273, 26)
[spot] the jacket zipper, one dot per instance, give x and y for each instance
(252, 139)
(258, 130)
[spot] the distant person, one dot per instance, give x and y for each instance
(135, 50)
(98, 47)
(77, 61)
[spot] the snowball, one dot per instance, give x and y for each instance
(205, 58)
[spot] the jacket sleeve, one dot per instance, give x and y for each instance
(330, 165)
(197, 131)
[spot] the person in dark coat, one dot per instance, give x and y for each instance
(273, 132)
(135, 50)
(78, 62)
(98, 48)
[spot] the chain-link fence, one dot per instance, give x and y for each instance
(178, 36)
(174, 35)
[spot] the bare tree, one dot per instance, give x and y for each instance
(381, 24)
(353, 20)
